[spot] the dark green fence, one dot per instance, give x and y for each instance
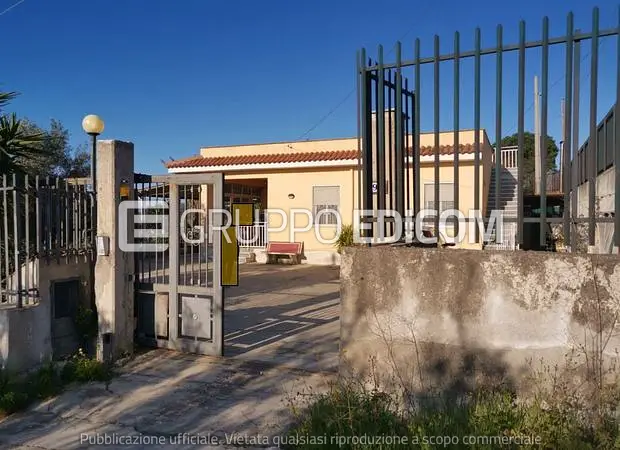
(386, 86)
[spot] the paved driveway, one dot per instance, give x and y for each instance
(281, 337)
(286, 315)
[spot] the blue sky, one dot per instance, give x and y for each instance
(172, 76)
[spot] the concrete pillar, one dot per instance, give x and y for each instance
(114, 272)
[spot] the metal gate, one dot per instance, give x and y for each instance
(179, 303)
(389, 128)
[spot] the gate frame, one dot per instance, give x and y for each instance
(214, 347)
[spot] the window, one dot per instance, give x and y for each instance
(446, 197)
(325, 198)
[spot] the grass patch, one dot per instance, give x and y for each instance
(19, 391)
(479, 420)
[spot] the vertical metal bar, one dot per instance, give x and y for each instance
(498, 121)
(568, 105)
(184, 225)
(407, 148)
(457, 110)
(93, 228)
(391, 145)
(6, 236)
(616, 160)
(57, 221)
(416, 135)
(16, 241)
(576, 178)
(436, 142)
(400, 199)
(48, 215)
(543, 132)
(380, 136)
(390, 151)
(66, 196)
(61, 207)
(86, 212)
(191, 276)
(74, 237)
(359, 131)
(169, 263)
(27, 237)
(593, 140)
(68, 205)
(78, 224)
(158, 275)
(173, 271)
(203, 224)
(366, 139)
(375, 124)
(477, 128)
(38, 215)
(521, 135)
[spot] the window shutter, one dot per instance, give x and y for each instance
(327, 195)
(446, 192)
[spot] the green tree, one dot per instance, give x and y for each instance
(57, 157)
(528, 156)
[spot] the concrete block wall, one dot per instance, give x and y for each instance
(604, 205)
(433, 319)
(26, 338)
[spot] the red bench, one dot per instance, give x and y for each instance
(291, 249)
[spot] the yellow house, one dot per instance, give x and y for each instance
(293, 181)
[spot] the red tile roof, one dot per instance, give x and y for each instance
(295, 157)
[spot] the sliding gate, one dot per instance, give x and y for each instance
(178, 278)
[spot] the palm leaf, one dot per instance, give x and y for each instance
(17, 143)
(6, 97)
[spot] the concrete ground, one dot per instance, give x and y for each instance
(281, 338)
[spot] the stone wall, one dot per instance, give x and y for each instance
(432, 319)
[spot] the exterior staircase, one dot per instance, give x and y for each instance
(246, 255)
(508, 204)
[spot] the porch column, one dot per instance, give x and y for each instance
(114, 269)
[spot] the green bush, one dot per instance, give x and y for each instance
(83, 369)
(345, 238)
(346, 412)
(489, 416)
(17, 392)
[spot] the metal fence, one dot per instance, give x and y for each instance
(40, 219)
(395, 154)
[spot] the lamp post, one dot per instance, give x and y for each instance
(93, 126)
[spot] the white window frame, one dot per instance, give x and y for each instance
(449, 227)
(325, 216)
(432, 183)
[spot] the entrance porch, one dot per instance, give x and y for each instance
(253, 191)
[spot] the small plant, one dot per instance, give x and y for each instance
(82, 369)
(19, 391)
(86, 325)
(345, 238)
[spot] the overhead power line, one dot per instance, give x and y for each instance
(14, 5)
(346, 97)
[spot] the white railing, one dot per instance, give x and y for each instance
(509, 238)
(252, 236)
(508, 157)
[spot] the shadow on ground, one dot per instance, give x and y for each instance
(282, 330)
